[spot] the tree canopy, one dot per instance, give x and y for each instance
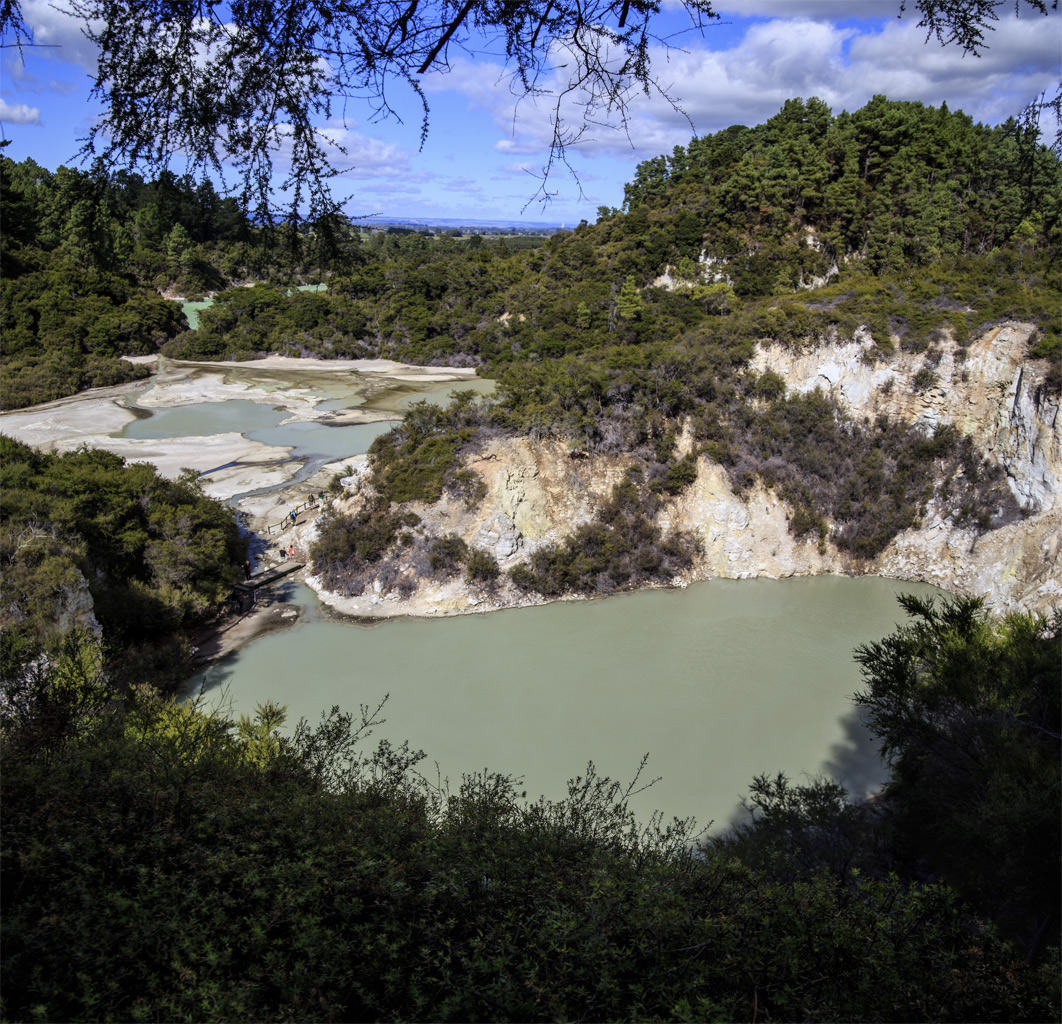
(968, 716)
(245, 82)
(154, 556)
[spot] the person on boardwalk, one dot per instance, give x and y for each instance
(291, 552)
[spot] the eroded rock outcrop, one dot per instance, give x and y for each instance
(989, 391)
(539, 493)
(75, 609)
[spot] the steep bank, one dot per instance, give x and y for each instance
(537, 494)
(990, 392)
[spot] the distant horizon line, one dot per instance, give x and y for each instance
(457, 222)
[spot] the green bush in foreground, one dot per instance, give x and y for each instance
(162, 862)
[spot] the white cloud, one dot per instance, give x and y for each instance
(59, 33)
(773, 62)
(371, 158)
(521, 167)
(818, 10)
(365, 157)
(389, 188)
(779, 59)
(468, 186)
(19, 113)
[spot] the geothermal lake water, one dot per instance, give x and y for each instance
(193, 309)
(259, 422)
(262, 422)
(717, 683)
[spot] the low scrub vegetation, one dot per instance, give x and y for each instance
(350, 550)
(420, 458)
(162, 861)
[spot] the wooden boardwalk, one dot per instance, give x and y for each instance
(267, 576)
(301, 512)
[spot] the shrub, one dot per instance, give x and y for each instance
(447, 554)
(349, 545)
(679, 475)
(523, 577)
(805, 520)
(482, 567)
(623, 547)
(468, 486)
(166, 862)
(769, 386)
(420, 458)
(925, 379)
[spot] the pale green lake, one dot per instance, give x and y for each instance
(191, 312)
(717, 682)
(259, 422)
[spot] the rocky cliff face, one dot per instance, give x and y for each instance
(537, 494)
(990, 392)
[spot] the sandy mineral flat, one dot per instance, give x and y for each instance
(79, 417)
(385, 367)
(233, 463)
(256, 465)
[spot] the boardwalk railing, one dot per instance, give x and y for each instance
(267, 576)
(291, 517)
(245, 593)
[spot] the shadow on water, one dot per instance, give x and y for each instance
(854, 760)
(136, 410)
(738, 816)
(212, 682)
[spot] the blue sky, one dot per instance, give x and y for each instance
(484, 155)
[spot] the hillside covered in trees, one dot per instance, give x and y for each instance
(920, 219)
(85, 260)
(910, 223)
(907, 226)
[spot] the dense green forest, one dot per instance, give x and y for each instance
(84, 260)
(155, 556)
(163, 862)
(929, 220)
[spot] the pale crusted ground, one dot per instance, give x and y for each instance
(383, 367)
(295, 385)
